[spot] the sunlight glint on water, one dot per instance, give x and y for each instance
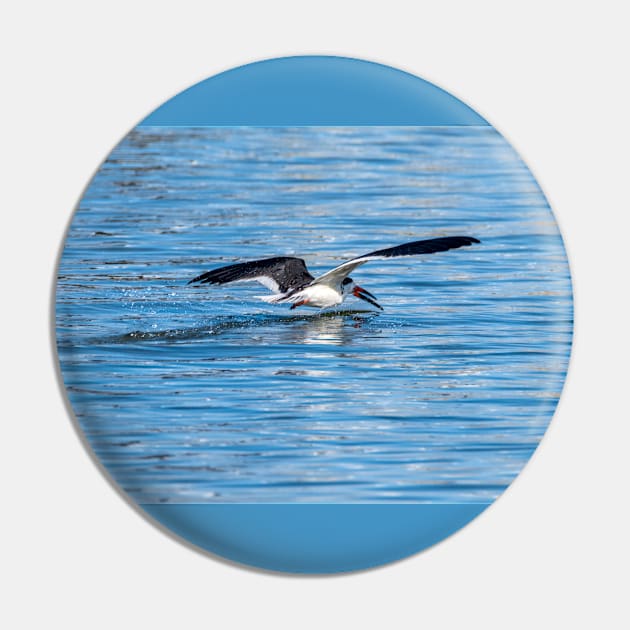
(206, 394)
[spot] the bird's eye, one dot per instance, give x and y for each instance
(346, 281)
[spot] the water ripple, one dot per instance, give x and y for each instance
(206, 394)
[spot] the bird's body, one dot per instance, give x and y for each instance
(291, 282)
(313, 295)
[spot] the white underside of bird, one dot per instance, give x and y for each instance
(315, 296)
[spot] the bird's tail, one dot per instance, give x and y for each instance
(271, 299)
(280, 298)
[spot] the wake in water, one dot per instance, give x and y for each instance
(331, 321)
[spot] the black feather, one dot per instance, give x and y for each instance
(429, 246)
(289, 273)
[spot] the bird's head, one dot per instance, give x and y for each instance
(348, 287)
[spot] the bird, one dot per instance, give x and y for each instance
(291, 282)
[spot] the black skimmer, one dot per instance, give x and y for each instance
(291, 281)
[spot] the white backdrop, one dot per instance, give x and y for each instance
(553, 551)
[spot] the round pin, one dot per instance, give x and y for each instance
(313, 314)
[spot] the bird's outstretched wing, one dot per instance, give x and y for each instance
(280, 274)
(429, 246)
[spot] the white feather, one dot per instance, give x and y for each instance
(335, 276)
(268, 282)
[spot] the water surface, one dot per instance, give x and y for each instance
(204, 394)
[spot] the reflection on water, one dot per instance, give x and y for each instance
(206, 394)
(322, 327)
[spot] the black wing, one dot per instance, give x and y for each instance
(280, 274)
(428, 246)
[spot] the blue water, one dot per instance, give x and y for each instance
(205, 394)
